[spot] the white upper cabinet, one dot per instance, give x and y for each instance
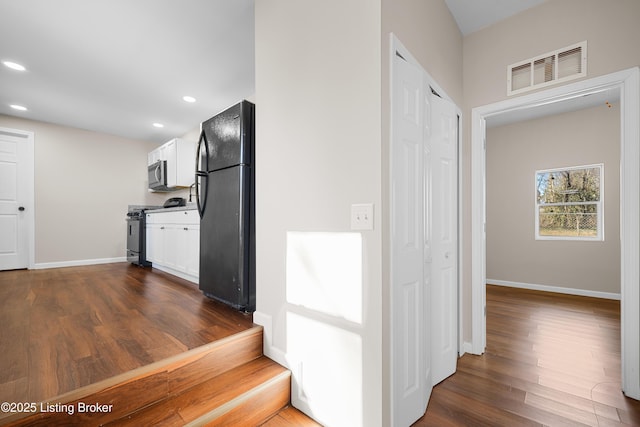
(180, 156)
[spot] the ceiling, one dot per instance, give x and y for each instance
(118, 66)
(473, 15)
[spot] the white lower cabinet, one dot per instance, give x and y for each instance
(173, 242)
(155, 243)
(185, 242)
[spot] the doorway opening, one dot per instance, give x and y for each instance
(549, 242)
(628, 83)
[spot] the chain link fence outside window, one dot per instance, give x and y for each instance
(568, 224)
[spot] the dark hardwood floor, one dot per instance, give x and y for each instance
(551, 360)
(62, 329)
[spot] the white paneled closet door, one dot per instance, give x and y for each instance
(424, 240)
(411, 386)
(444, 241)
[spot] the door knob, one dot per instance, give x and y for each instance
(21, 208)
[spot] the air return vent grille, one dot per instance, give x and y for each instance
(544, 70)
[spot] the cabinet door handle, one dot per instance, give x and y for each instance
(186, 229)
(161, 228)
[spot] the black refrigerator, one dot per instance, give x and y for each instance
(225, 182)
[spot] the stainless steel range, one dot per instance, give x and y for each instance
(136, 235)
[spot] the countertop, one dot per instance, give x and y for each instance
(188, 207)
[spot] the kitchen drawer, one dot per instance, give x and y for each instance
(174, 217)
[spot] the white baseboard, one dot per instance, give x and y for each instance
(264, 320)
(271, 351)
(557, 289)
(466, 348)
(77, 263)
(278, 356)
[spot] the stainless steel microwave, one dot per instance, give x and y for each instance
(158, 176)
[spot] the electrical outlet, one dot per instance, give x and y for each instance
(362, 216)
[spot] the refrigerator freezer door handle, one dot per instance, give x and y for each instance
(201, 174)
(205, 166)
(201, 202)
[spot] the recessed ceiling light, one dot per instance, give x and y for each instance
(14, 65)
(158, 125)
(188, 98)
(18, 107)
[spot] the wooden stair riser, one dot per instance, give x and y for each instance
(252, 408)
(227, 393)
(142, 387)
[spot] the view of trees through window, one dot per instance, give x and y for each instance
(569, 202)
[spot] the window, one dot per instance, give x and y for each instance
(569, 203)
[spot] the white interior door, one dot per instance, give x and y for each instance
(444, 212)
(424, 239)
(411, 383)
(14, 200)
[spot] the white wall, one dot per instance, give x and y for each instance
(318, 151)
(611, 30)
(514, 153)
(84, 182)
(322, 144)
(428, 30)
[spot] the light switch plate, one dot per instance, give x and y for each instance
(362, 216)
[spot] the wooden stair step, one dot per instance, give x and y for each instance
(147, 385)
(290, 417)
(247, 395)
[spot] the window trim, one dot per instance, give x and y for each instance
(599, 237)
